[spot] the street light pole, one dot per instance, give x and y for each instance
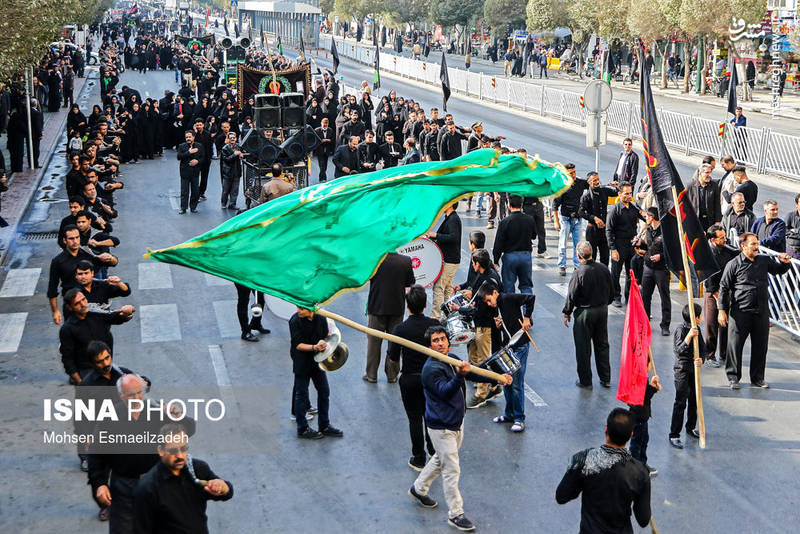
(28, 90)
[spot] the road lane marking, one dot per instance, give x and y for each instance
(227, 321)
(20, 282)
(159, 322)
(174, 199)
(155, 275)
(11, 327)
(223, 380)
(534, 397)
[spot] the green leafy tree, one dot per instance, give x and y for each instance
(450, 13)
(501, 13)
(579, 16)
(326, 6)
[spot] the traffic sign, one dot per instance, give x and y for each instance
(597, 96)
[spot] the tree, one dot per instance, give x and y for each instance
(450, 13)
(401, 12)
(648, 21)
(499, 13)
(579, 16)
(326, 6)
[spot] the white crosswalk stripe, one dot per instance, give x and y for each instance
(227, 321)
(20, 282)
(534, 397)
(174, 199)
(159, 322)
(12, 325)
(154, 275)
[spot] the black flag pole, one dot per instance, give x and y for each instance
(445, 78)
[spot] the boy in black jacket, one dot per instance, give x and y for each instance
(685, 362)
(641, 414)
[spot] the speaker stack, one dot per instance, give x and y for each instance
(286, 113)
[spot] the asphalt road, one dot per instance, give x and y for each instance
(184, 334)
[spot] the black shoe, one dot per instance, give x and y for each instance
(233, 207)
(332, 432)
(312, 411)
(664, 331)
(181, 212)
(461, 523)
(605, 384)
(309, 433)
(249, 336)
(495, 391)
(734, 384)
(652, 470)
(194, 210)
(423, 500)
(261, 329)
(202, 198)
(617, 303)
(676, 442)
(761, 384)
(693, 432)
(712, 362)
(562, 271)
(583, 386)
(417, 464)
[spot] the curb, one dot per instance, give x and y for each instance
(13, 229)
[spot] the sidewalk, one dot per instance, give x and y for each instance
(23, 185)
(757, 111)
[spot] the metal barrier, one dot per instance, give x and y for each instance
(762, 149)
(784, 296)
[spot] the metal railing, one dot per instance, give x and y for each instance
(762, 149)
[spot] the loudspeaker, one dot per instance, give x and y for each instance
(311, 139)
(268, 152)
(293, 108)
(226, 42)
(300, 144)
(244, 42)
(267, 111)
(249, 142)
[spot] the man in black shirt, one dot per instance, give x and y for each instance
(345, 159)
(704, 194)
(589, 294)
(738, 216)
(714, 332)
(600, 473)
(413, 329)
(385, 309)
(308, 332)
(203, 138)
(62, 268)
(684, 370)
(82, 327)
(99, 291)
(620, 231)
(594, 208)
(744, 292)
(567, 219)
(368, 152)
(655, 273)
(171, 497)
(514, 243)
(389, 152)
(326, 147)
(450, 145)
(98, 242)
(191, 156)
(448, 238)
(78, 204)
(745, 186)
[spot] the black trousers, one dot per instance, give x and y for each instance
(322, 159)
(625, 257)
(16, 149)
(302, 402)
(684, 393)
(591, 329)
(36, 142)
(742, 325)
(122, 493)
(414, 403)
(190, 192)
(597, 238)
(537, 212)
(652, 279)
(715, 334)
(204, 170)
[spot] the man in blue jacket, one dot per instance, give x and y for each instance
(770, 229)
(445, 405)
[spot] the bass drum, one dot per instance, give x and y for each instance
(279, 307)
(426, 260)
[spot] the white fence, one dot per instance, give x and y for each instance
(762, 149)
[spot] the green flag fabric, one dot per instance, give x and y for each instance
(308, 246)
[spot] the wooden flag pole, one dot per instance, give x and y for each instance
(410, 344)
(701, 422)
(530, 338)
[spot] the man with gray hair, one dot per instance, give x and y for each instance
(738, 216)
(590, 292)
(770, 229)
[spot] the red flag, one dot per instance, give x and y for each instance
(635, 348)
(208, 14)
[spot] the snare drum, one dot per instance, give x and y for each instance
(456, 301)
(459, 329)
(502, 362)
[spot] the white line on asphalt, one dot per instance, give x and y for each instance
(159, 322)
(227, 322)
(11, 327)
(20, 282)
(174, 199)
(212, 280)
(154, 275)
(533, 396)
(223, 380)
(560, 288)
(540, 312)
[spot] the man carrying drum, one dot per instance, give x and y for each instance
(510, 319)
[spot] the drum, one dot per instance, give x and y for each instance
(454, 303)
(502, 362)
(459, 329)
(426, 260)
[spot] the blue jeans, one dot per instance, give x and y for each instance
(302, 403)
(480, 201)
(515, 393)
(639, 441)
(517, 266)
(573, 227)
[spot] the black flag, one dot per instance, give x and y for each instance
(376, 75)
(445, 82)
(375, 34)
(468, 57)
(335, 54)
(663, 176)
(227, 33)
(383, 37)
(732, 102)
(236, 30)
(302, 48)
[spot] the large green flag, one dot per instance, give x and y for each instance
(308, 246)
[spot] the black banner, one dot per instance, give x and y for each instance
(251, 81)
(195, 44)
(663, 176)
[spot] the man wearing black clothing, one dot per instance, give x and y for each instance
(308, 331)
(745, 186)
(589, 294)
(389, 152)
(431, 150)
(368, 152)
(354, 127)
(600, 473)
(98, 291)
(191, 156)
(620, 231)
(567, 219)
(448, 238)
(169, 497)
(82, 327)
(62, 268)
(594, 208)
(77, 204)
(714, 332)
(655, 273)
(385, 309)
(533, 206)
(230, 172)
(744, 292)
(793, 229)
(450, 145)
(627, 163)
(413, 329)
(738, 216)
(514, 244)
(345, 159)
(326, 147)
(203, 138)
(684, 369)
(704, 194)
(98, 242)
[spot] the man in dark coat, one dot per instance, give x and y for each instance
(191, 155)
(704, 194)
